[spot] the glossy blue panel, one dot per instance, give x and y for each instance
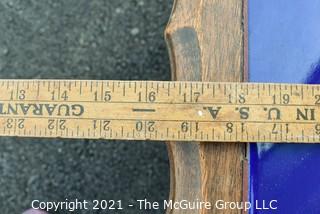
(284, 46)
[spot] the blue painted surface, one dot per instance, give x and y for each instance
(284, 46)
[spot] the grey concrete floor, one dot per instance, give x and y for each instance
(81, 39)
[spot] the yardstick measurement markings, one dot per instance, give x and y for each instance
(155, 110)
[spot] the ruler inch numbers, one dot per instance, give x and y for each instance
(160, 110)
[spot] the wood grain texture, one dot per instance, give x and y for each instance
(206, 42)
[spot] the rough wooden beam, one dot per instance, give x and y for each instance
(206, 43)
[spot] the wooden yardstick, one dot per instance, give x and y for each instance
(156, 110)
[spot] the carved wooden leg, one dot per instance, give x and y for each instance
(206, 43)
